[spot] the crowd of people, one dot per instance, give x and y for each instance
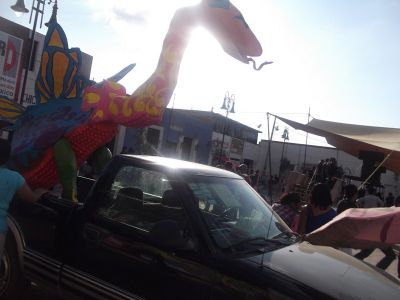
(320, 209)
(327, 171)
(251, 176)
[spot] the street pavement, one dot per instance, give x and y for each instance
(377, 256)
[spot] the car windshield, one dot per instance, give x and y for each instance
(237, 218)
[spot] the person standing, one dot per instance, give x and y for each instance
(11, 184)
(228, 166)
(255, 178)
(349, 199)
(319, 211)
(287, 207)
(370, 200)
(242, 171)
(389, 201)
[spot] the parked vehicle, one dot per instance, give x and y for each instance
(159, 228)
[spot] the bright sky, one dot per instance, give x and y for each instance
(339, 58)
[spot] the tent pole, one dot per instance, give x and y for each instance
(305, 148)
(376, 169)
(269, 157)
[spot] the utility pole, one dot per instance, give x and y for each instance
(305, 148)
(269, 157)
(229, 106)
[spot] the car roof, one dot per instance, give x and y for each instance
(183, 166)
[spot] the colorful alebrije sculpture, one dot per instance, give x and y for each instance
(75, 118)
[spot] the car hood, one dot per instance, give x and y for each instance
(330, 271)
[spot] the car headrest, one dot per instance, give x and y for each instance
(131, 192)
(170, 199)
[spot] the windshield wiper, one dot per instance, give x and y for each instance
(288, 235)
(259, 241)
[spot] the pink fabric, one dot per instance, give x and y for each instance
(360, 228)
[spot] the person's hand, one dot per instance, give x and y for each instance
(39, 192)
(26, 194)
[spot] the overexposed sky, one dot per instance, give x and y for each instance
(339, 58)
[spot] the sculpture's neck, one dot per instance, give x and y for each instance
(146, 105)
(165, 76)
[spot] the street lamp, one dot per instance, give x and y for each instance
(19, 7)
(285, 136)
(229, 106)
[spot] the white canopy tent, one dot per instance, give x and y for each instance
(352, 138)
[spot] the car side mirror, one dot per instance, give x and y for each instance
(168, 234)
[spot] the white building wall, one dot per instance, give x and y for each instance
(250, 151)
(295, 154)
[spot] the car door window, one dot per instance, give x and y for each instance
(144, 201)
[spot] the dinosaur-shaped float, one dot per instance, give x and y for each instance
(76, 118)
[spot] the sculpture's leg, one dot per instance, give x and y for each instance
(66, 168)
(99, 159)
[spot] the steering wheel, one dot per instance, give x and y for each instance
(230, 213)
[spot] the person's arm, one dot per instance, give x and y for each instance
(303, 220)
(340, 208)
(26, 194)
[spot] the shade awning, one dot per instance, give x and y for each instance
(352, 138)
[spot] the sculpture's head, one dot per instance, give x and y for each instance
(227, 24)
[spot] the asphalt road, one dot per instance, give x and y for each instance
(377, 256)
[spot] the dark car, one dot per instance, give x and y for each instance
(159, 228)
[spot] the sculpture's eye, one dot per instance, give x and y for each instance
(219, 3)
(241, 18)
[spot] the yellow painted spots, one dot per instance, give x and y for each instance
(114, 85)
(126, 110)
(92, 98)
(170, 55)
(98, 115)
(139, 105)
(113, 107)
(154, 107)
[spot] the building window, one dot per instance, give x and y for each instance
(186, 148)
(153, 136)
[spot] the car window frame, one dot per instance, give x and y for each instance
(105, 183)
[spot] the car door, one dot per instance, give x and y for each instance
(43, 227)
(138, 240)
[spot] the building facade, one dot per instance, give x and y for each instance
(195, 136)
(296, 156)
(14, 59)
